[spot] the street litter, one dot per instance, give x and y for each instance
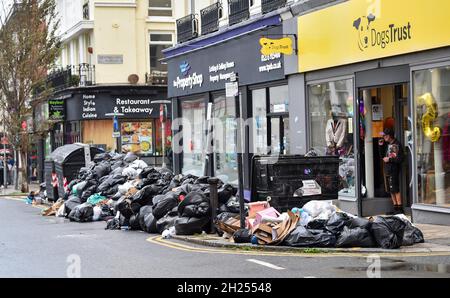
(127, 194)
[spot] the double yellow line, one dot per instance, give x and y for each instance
(195, 249)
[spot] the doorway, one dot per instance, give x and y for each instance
(383, 107)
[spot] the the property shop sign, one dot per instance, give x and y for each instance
(96, 106)
(209, 69)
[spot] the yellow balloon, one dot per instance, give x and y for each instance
(432, 133)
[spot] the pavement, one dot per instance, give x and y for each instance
(11, 191)
(437, 239)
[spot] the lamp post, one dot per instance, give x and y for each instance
(116, 129)
(163, 109)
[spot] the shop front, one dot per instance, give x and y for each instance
(378, 66)
(197, 81)
(123, 119)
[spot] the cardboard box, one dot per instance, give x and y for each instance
(255, 207)
(269, 212)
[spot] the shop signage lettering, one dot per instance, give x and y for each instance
(273, 46)
(189, 82)
(89, 107)
(369, 36)
(56, 109)
(268, 67)
(224, 66)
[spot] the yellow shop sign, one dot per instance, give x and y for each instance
(361, 30)
(276, 46)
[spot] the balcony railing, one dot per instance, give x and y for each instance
(86, 74)
(238, 11)
(72, 76)
(187, 28)
(86, 11)
(271, 5)
(156, 78)
(210, 18)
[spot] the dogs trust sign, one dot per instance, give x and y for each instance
(276, 46)
(356, 31)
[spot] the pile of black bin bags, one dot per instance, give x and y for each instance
(341, 230)
(145, 198)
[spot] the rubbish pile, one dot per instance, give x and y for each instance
(320, 224)
(128, 194)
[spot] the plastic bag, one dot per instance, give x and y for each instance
(195, 204)
(317, 224)
(130, 173)
(123, 189)
(164, 206)
(82, 213)
(357, 237)
(388, 232)
(233, 205)
(165, 223)
(190, 226)
(145, 195)
(302, 237)
(97, 213)
(130, 157)
(359, 222)
(337, 222)
(61, 211)
(226, 192)
(139, 164)
(316, 208)
(95, 199)
(412, 234)
(134, 222)
(78, 188)
(71, 203)
(242, 236)
(169, 233)
(113, 224)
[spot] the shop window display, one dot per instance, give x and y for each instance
(225, 139)
(331, 112)
(432, 137)
(137, 137)
(194, 138)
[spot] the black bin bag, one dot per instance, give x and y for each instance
(190, 225)
(388, 231)
(242, 236)
(165, 223)
(357, 237)
(82, 213)
(302, 237)
(412, 235)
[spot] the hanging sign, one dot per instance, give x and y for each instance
(276, 46)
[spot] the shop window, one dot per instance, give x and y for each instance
(159, 138)
(158, 43)
(137, 137)
(259, 109)
(160, 8)
(194, 138)
(225, 139)
(432, 136)
(271, 120)
(331, 130)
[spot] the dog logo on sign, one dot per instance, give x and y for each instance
(362, 24)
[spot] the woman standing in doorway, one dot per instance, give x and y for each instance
(392, 157)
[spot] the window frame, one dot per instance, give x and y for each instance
(357, 196)
(158, 8)
(413, 115)
(164, 43)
